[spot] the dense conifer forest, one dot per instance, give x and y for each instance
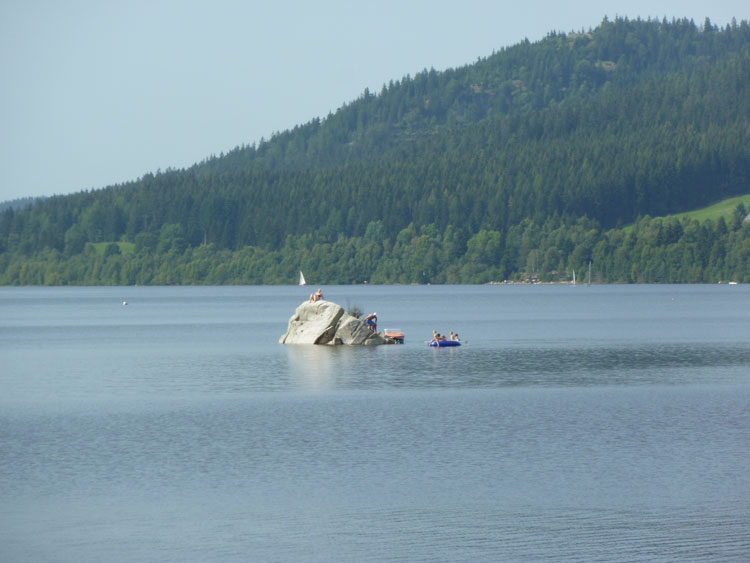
(528, 164)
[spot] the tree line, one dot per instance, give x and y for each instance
(653, 250)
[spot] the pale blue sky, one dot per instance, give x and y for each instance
(97, 93)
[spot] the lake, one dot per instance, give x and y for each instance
(602, 423)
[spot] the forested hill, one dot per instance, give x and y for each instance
(459, 175)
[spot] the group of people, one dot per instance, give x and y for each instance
(371, 321)
(437, 337)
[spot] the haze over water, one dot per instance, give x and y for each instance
(605, 423)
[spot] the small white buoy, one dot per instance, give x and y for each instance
(124, 302)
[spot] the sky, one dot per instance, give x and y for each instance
(96, 93)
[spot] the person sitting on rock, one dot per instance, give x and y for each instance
(371, 321)
(317, 296)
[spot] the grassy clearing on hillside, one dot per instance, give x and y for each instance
(125, 247)
(722, 209)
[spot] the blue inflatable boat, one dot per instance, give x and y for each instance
(445, 343)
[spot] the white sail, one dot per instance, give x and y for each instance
(302, 279)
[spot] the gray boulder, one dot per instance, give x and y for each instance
(313, 323)
(352, 331)
(325, 322)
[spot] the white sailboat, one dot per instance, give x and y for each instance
(302, 279)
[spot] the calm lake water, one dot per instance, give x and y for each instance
(602, 423)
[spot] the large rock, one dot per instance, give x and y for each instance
(313, 323)
(352, 331)
(325, 322)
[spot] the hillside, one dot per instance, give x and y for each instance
(17, 204)
(454, 176)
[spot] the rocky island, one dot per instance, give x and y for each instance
(325, 322)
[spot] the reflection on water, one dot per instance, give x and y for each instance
(317, 368)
